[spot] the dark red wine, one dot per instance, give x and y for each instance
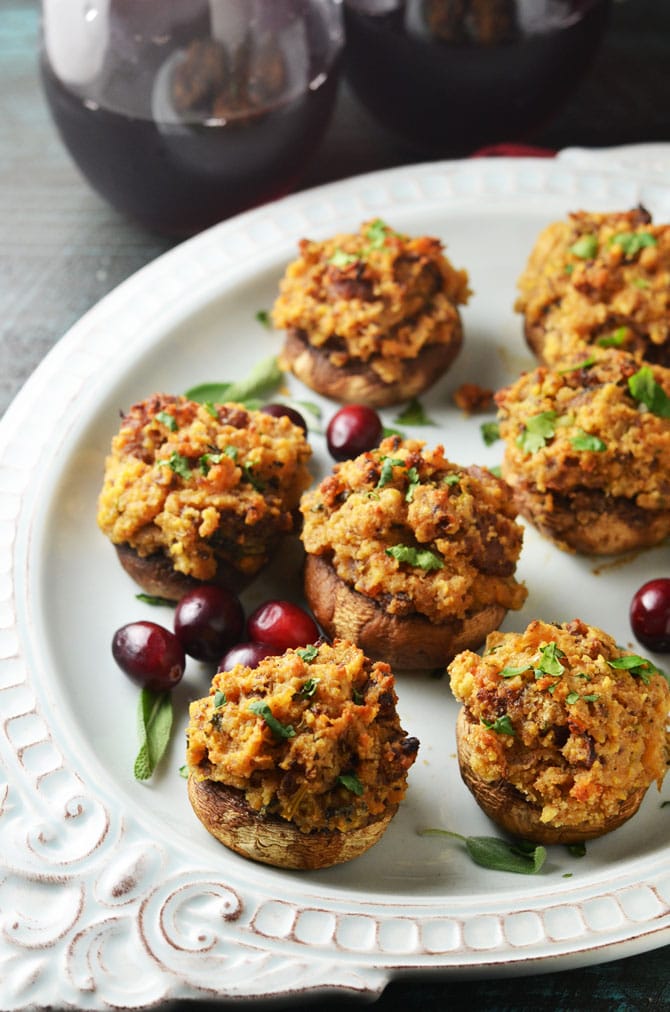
(186, 119)
(181, 178)
(453, 75)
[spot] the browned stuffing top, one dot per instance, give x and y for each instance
(202, 483)
(572, 721)
(374, 296)
(599, 279)
(603, 426)
(417, 533)
(312, 735)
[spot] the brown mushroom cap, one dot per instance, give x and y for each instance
(409, 641)
(156, 575)
(510, 810)
(590, 522)
(356, 382)
(224, 812)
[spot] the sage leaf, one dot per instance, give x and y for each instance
(414, 414)
(262, 381)
(154, 726)
(498, 855)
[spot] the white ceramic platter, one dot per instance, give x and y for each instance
(111, 893)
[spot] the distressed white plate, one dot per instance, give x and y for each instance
(111, 893)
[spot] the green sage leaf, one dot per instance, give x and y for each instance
(154, 726)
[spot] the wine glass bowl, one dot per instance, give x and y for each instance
(185, 113)
(450, 76)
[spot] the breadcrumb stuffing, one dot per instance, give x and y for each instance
(566, 717)
(203, 483)
(403, 525)
(374, 296)
(599, 279)
(312, 735)
(598, 435)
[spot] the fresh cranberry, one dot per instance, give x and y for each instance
(149, 654)
(353, 429)
(282, 625)
(650, 615)
(283, 410)
(248, 654)
(208, 620)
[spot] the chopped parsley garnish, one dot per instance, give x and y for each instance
(309, 688)
(377, 232)
(574, 697)
(386, 474)
(278, 729)
(219, 698)
(512, 672)
(308, 653)
(615, 339)
(210, 408)
(451, 479)
(586, 247)
(644, 388)
(341, 259)
(257, 483)
(264, 318)
(585, 441)
(351, 782)
(585, 364)
(638, 666)
(178, 464)
(168, 420)
(537, 431)
(421, 557)
(501, 725)
(632, 242)
(490, 432)
(550, 660)
(414, 481)
(641, 282)
(414, 414)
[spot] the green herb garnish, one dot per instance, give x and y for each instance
(644, 388)
(308, 653)
(632, 242)
(550, 663)
(421, 557)
(512, 672)
(638, 666)
(309, 688)
(262, 381)
(585, 364)
(490, 432)
(574, 697)
(615, 339)
(414, 480)
(255, 482)
(496, 854)
(586, 247)
(501, 725)
(341, 259)
(278, 729)
(219, 698)
(180, 465)
(351, 782)
(154, 599)
(585, 441)
(537, 431)
(386, 473)
(168, 420)
(154, 725)
(414, 414)
(264, 318)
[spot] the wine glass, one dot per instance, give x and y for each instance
(181, 114)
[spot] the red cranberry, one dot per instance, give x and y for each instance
(150, 655)
(353, 429)
(650, 615)
(248, 654)
(283, 410)
(282, 625)
(208, 620)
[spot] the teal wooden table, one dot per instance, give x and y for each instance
(62, 249)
